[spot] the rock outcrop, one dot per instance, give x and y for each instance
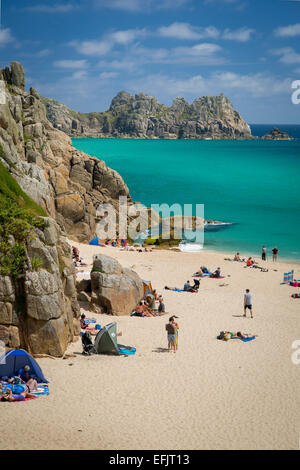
(115, 290)
(69, 185)
(39, 311)
(142, 116)
(41, 174)
(277, 134)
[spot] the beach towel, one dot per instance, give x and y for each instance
(245, 340)
(126, 351)
(213, 277)
(180, 290)
(43, 389)
(201, 275)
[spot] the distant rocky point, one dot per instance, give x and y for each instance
(142, 116)
(277, 134)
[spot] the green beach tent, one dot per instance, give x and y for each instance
(106, 342)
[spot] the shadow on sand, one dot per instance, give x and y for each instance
(160, 350)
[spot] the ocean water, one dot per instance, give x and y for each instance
(253, 184)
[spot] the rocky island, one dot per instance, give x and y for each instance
(277, 134)
(142, 116)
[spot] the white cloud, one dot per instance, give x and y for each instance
(200, 54)
(141, 5)
(288, 31)
(44, 53)
(179, 30)
(5, 37)
(79, 75)
(54, 8)
(103, 46)
(257, 85)
(240, 35)
(92, 48)
(287, 55)
(108, 75)
(71, 64)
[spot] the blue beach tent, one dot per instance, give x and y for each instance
(95, 241)
(15, 359)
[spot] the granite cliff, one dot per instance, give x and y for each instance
(48, 190)
(142, 116)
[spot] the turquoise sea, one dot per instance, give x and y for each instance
(254, 184)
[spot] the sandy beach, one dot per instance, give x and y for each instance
(209, 395)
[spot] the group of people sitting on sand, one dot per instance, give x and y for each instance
(148, 308)
(203, 271)
(19, 387)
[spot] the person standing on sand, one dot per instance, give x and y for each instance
(171, 331)
(263, 253)
(275, 253)
(176, 330)
(248, 303)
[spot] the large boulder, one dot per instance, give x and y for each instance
(17, 74)
(115, 290)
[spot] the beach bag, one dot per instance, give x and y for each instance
(296, 296)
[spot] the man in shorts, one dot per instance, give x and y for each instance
(248, 303)
(171, 330)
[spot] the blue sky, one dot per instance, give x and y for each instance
(83, 52)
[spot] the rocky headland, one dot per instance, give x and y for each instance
(142, 116)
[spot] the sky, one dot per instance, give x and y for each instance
(83, 52)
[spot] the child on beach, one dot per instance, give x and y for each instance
(171, 331)
(248, 303)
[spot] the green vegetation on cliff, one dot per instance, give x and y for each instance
(18, 216)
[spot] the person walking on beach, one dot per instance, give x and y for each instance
(263, 253)
(176, 330)
(275, 253)
(171, 330)
(248, 303)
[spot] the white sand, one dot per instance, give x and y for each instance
(209, 395)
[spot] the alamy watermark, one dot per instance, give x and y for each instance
(296, 94)
(136, 220)
(296, 354)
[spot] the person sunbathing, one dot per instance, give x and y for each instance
(227, 335)
(10, 396)
(142, 310)
(147, 311)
